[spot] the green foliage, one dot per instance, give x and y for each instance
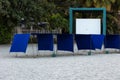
(5, 35)
(112, 24)
(57, 21)
(11, 12)
(112, 7)
(56, 12)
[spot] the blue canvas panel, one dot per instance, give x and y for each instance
(45, 42)
(84, 42)
(112, 41)
(97, 40)
(19, 43)
(65, 42)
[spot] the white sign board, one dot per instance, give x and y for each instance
(88, 26)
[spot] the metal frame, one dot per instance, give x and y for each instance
(71, 10)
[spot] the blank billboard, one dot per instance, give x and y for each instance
(88, 26)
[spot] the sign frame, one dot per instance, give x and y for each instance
(71, 10)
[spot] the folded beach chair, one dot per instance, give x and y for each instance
(98, 41)
(19, 43)
(84, 42)
(112, 42)
(45, 42)
(65, 42)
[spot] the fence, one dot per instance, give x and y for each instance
(56, 31)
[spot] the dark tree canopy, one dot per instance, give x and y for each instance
(55, 12)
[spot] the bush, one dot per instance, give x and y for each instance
(5, 35)
(59, 22)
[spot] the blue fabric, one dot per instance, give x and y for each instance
(20, 42)
(65, 42)
(84, 42)
(97, 41)
(112, 41)
(45, 42)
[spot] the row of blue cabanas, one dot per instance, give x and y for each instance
(65, 42)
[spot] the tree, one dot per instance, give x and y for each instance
(56, 12)
(112, 7)
(58, 22)
(11, 12)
